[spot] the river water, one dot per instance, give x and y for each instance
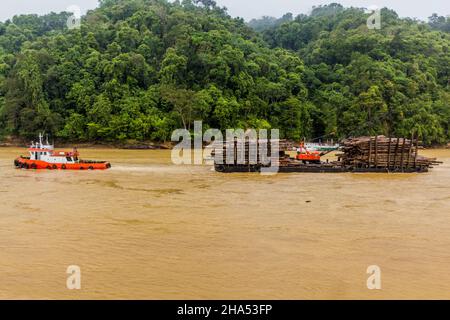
(147, 229)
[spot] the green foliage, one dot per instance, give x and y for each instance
(266, 22)
(138, 69)
(389, 81)
(439, 22)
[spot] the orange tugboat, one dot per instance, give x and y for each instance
(43, 156)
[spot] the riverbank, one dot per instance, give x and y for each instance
(127, 145)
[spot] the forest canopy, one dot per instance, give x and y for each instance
(138, 69)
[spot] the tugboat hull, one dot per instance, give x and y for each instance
(26, 163)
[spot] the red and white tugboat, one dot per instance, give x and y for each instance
(43, 156)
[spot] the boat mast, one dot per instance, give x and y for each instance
(40, 139)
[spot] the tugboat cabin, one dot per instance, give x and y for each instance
(53, 157)
(45, 152)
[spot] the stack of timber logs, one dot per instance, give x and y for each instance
(392, 154)
(362, 154)
(249, 151)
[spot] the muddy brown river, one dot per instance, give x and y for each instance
(147, 229)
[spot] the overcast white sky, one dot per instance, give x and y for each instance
(247, 9)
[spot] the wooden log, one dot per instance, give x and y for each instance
(410, 150)
(235, 151)
(396, 151)
(389, 154)
(417, 150)
(376, 151)
(402, 155)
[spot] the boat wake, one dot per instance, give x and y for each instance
(159, 169)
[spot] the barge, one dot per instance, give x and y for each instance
(377, 154)
(312, 168)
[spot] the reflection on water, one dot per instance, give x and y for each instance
(147, 230)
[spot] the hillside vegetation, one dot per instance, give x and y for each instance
(137, 69)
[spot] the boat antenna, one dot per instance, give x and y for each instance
(47, 140)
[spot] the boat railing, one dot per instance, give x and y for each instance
(92, 161)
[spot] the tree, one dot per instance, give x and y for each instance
(173, 68)
(182, 101)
